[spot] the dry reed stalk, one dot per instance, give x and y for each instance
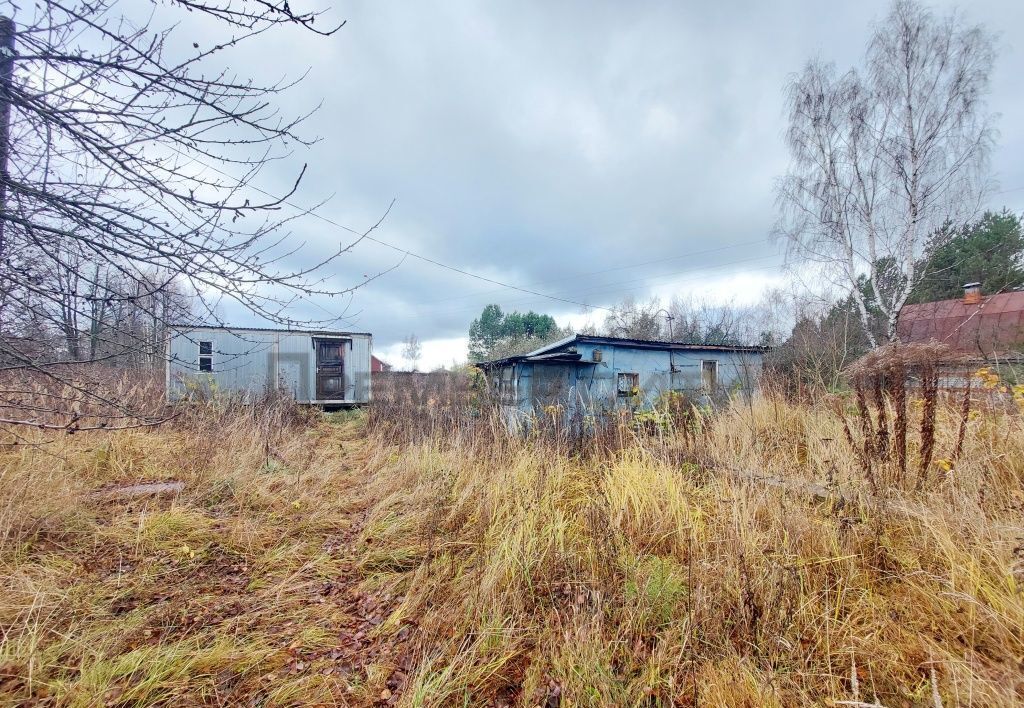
(930, 390)
(898, 394)
(886, 371)
(865, 463)
(866, 424)
(965, 415)
(882, 432)
(861, 452)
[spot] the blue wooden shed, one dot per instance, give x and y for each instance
(597, 375)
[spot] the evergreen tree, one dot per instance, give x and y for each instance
(989, 251)
(496, 334)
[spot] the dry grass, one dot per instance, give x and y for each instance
(216, 596)
(330, 562)
(640, 579)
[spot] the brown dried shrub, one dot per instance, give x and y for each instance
(886, 373)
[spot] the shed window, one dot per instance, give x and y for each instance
(709, 373)
(628, 384)
(206, 356)
(507, 385)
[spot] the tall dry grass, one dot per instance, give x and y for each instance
(422, 556)
(749, 565)
(212, 596)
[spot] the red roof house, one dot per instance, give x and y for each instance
(984, 327)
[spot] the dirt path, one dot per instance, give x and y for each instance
(372, 665)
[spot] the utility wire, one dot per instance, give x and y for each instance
(412, 254)
(405, 252)
(580, 276)
(622, 288)
(619, 292)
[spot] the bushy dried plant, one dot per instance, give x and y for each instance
(886, 374)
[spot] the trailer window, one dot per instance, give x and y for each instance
(206, 356)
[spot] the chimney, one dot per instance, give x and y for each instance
(972, 293)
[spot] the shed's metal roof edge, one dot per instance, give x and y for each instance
(183, 327)
(625, 341)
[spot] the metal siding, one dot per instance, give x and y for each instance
(296, 367)
(593, 385)
(552, 384)
(357, 369)
(253, 361)
(241, 362)
(651, 365)
(520, 405)
(687, 376)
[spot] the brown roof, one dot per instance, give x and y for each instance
(995, 326)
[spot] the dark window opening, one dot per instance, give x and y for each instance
(709, 373)
(628, 384)
(506, 385)
(206, 356)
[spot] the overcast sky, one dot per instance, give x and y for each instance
(582, 149)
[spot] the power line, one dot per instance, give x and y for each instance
(524, 302)
(479, 277)
(623, 267)
(622, 288)
(661, 276)
(403, 251)
(440, 264)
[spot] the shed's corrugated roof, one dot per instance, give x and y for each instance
(993, 327)
(622, 342)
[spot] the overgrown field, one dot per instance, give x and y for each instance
(740, 558)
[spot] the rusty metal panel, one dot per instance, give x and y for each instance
(992, 327)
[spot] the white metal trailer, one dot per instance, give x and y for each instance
(316, 367)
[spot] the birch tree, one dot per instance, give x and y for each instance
(885, 156)
(411, 351)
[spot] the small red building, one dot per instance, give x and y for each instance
(378, 365)
(989, 328)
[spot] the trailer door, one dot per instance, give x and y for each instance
(330, 369)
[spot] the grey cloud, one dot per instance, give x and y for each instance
(536, 142)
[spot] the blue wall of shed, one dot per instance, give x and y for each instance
(591, 387)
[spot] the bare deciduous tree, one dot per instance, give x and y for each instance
(689, 320)
(411, 351)
(635, 320)
(884, 157)
(128, 180)
(701, 322)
